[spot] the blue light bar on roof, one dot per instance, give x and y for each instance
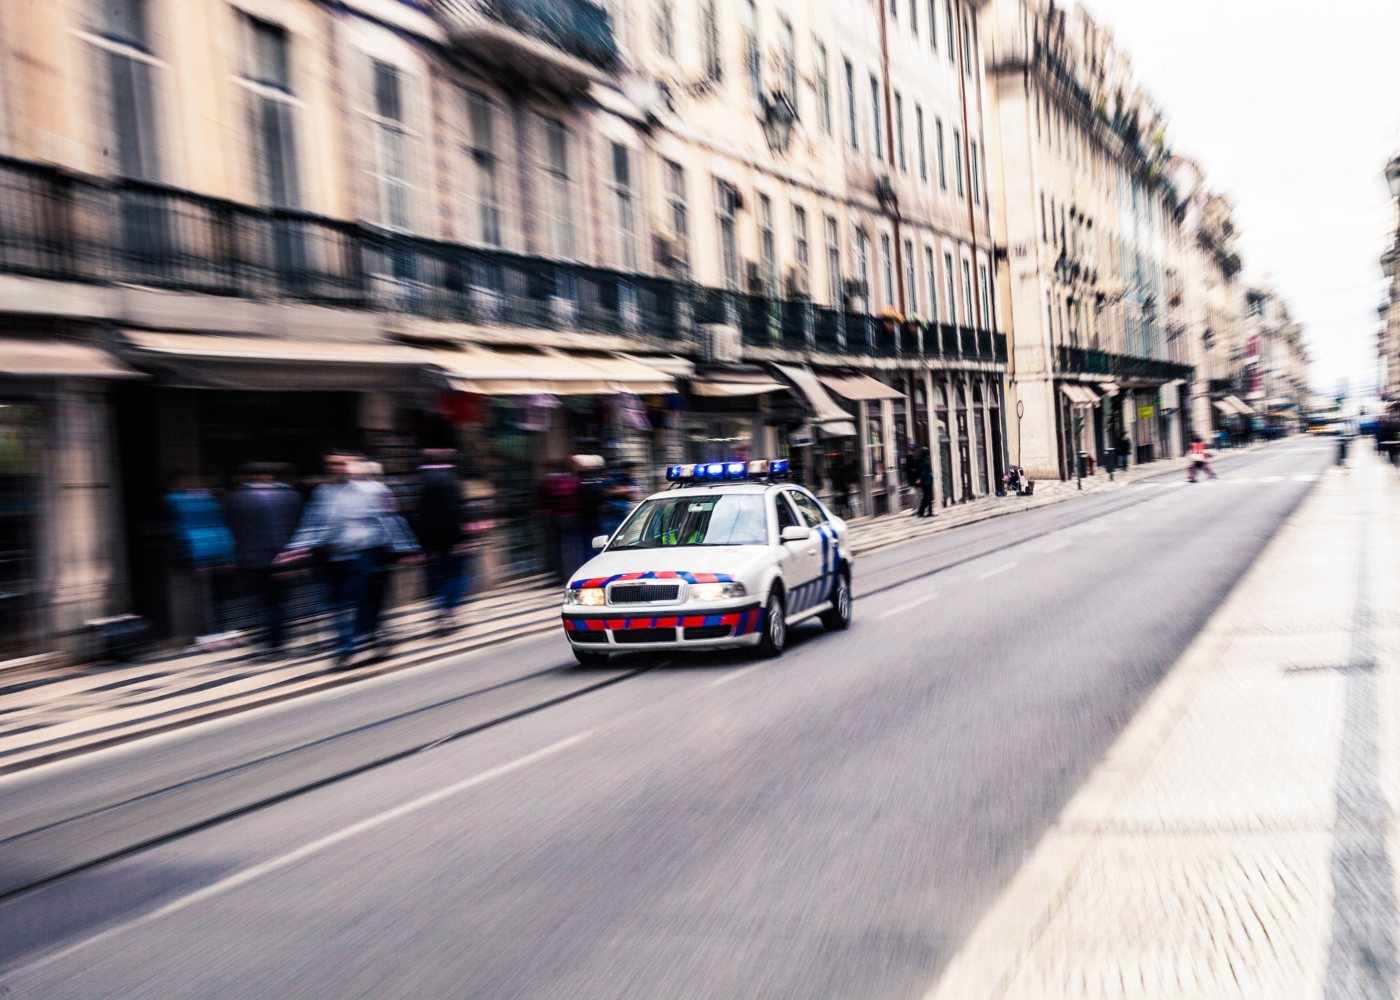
(715, 472)
(735, 470)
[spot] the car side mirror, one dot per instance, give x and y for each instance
(600, 542)
(796, 533)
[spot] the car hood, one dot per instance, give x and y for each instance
(723, 560)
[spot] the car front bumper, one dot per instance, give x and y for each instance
(669, 628)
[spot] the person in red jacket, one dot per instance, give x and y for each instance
(1199, 461)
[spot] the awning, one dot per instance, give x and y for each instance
(730, 388)
(827, 415)
(859, 388)
(1240, 406)
(1080, 395)
(1224, 407)
(59, 359)
(527, 371)
(209, 361)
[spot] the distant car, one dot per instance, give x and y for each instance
(731, 556)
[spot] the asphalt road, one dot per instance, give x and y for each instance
(829, 824)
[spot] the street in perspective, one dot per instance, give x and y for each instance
(644, 499)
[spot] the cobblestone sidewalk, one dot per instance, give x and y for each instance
(1239, 840)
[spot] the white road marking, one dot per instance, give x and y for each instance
(1096, 529)
(1000, 569)
(735, 674)
(1307, 477)
(257, 871)
(1132, 516)
(1271, 479)
(1062, 544)
(899, 609)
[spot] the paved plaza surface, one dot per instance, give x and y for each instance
(1108, 745)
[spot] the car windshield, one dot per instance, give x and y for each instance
(718, 519)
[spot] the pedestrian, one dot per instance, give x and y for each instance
(924, 481)
(200, 542)
(842, 481)
(619, 495)
(1124, 447)
(439, 520)
(346, 526)
(559, 495)
(1199, 461)
(396, 542)
(262, 515)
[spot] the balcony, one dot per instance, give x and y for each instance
(1082, 361)
(565, 44)
(67, 227)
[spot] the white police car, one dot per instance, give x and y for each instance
(731, 555)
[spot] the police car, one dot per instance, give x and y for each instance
(731, 555)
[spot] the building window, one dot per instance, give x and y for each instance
(899, 132)
(789, 57)
(931, 276)
(626, 209)
(680, 214)
(852, 126)
(950, 282)
(1044, 226)
(986, 296)
(481, 146)
(823, 89)
(767, 241)
(833, 262)
(862, 250)
(129, 72)
(976, 177)
(878, 129)
(268, 80)
(911, 279)
(914, 17)
(967, 44)
(752, 60)
(894, 10)
(952, 28)
(726, 201)
(968, 318)
(942, 159)
(799, 240)
(933, 25)
(887, 270)
(922, 142)
(709, 32)
(558, 188)
(957, 162)
(663, 26)
(390, 147)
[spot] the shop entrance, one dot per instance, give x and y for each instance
(21, 506)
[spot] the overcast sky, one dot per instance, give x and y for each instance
(1293, 109)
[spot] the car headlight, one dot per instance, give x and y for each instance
(589, 597)
(716, 591)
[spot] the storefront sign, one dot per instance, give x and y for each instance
(1145, 412)
(802, 437)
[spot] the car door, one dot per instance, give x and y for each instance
(802, 561)
(824, 534)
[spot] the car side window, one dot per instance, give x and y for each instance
(810, 510)
(787, 517)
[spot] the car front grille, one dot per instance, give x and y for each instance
(625, 636)
(589, 636)
(643, 593)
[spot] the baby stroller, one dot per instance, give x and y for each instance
(1014, 482)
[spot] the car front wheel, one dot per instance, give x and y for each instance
(839, 617)
(774, 639)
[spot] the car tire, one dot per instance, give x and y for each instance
(838, 619)
(589, 658)
(774, 635)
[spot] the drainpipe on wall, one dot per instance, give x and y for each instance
(889, 155)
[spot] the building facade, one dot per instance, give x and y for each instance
(1094, 273)
(239, 230)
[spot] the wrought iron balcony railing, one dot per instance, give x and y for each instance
(67, 227)
(1084, 361)
(577, 27)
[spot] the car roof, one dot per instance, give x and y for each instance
(741, 488)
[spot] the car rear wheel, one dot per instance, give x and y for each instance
(839, 617)
(774, 639)
(588, 658)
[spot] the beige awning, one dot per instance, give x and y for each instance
(195, 345)
(859, 388)
(733, 389)
(827, 414)
(1240, 406)
(1224, 407)
(526, 371)
(1080, 395)
(59, 359)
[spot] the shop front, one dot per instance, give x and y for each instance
(872, 404)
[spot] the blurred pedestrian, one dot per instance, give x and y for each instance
(200, 542)
(1198, 461)
(923, 472)
(842, 481)
(1125, 446)
(619, 495)
(262, 515)
(396, 542)
(345, 527)
(559, 495)
(439, 519)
